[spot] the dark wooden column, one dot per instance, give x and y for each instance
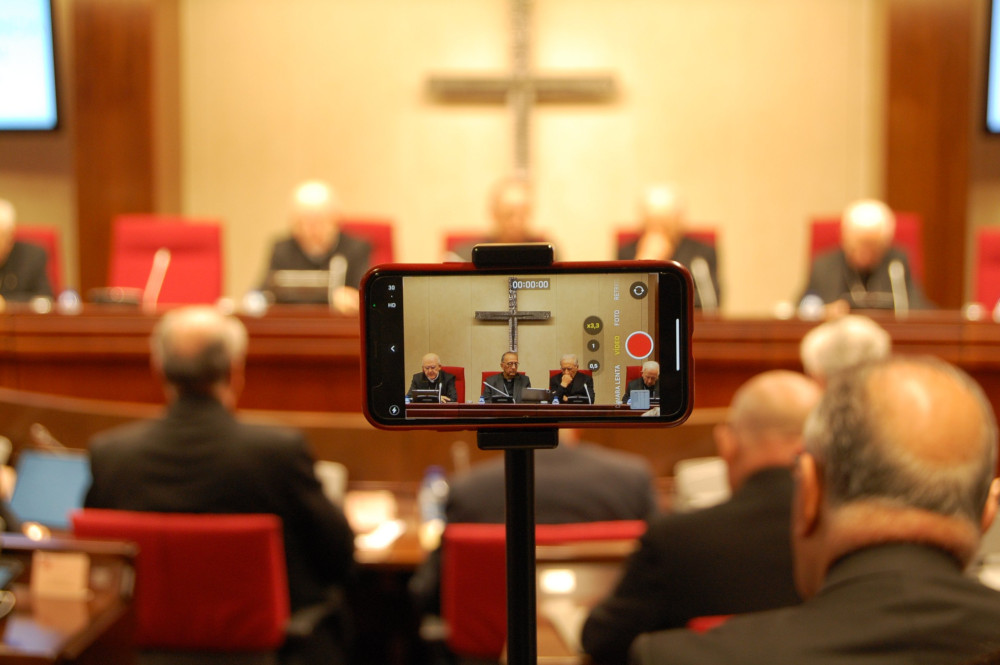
(928, 116)
(116, 45)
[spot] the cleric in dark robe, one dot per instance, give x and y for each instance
(663, 220)
(314, 245)
(508, 384)
(570, 382)
(23, 266)
(866, 271)
(648, 380)
(432, 377)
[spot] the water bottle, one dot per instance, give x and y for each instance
(431, 501)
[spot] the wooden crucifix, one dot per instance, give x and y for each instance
(511, 315)
(521, 89)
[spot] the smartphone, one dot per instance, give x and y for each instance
(507, 345)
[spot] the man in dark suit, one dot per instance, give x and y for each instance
(896, 484)
(510, 202)
(23, 266)
(570, 382)
(866, 271)
(198, 458)
(733, 557)
(317, 244)
(432, 377)
(508, 384)
(574, 482)
(663, 220)
(649, 380)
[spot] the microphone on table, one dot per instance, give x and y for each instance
(337, 276)
(704, 285)
(897, 279)
(502, 392)
(157, 273)
(587, 390)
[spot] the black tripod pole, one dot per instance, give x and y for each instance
(519, 466)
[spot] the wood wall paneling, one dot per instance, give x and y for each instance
(928, 133)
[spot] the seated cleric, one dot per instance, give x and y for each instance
(23, 274)
(317, 244)
(866, 271)
(198, 457)
(663, 221)
(570, 382)
(432, 377)
(893, 490)
(508, 385)
(648, 380)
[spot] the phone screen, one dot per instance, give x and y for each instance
(450, 346)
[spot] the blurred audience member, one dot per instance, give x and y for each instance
(841, 343)
(574, 482)
(198, 458)
(731, 558)
(892, 494)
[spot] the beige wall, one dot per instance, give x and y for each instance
(764, 112)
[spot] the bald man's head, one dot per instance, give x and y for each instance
(913, 433)
(196, 348)
(315, 213)
(765, 423)
(662, 210)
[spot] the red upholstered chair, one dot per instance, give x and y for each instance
(988, 266)
(204, 583)
(473, 577)
(46, 237)
(632, 372)
(459, 373)
(377, 232)
(194, 273)
(824, 235)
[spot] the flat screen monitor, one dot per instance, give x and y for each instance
(993, 71)
(50, 486)
(27, 66)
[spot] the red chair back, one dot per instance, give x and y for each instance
(377, 232)
(473, 577)
(203, 582)
(194, 274)
(46, 237)
(459, 373)
(632, 372)
(824, 235)
(988, 266)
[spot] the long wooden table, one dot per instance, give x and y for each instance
(305, 358)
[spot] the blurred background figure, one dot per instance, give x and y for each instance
(841, 343)
(730, 558)
(317, 244)
(510, 206)
(664, 221)
(575, 482)
(895, 486)
(23, 274)
(867, 271)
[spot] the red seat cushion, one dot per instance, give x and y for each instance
(203, 582)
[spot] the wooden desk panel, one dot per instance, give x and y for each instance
(94, 631)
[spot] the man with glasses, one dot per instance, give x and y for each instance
(508, 385)
(571, 383)
(648, 380)
(432, 377)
